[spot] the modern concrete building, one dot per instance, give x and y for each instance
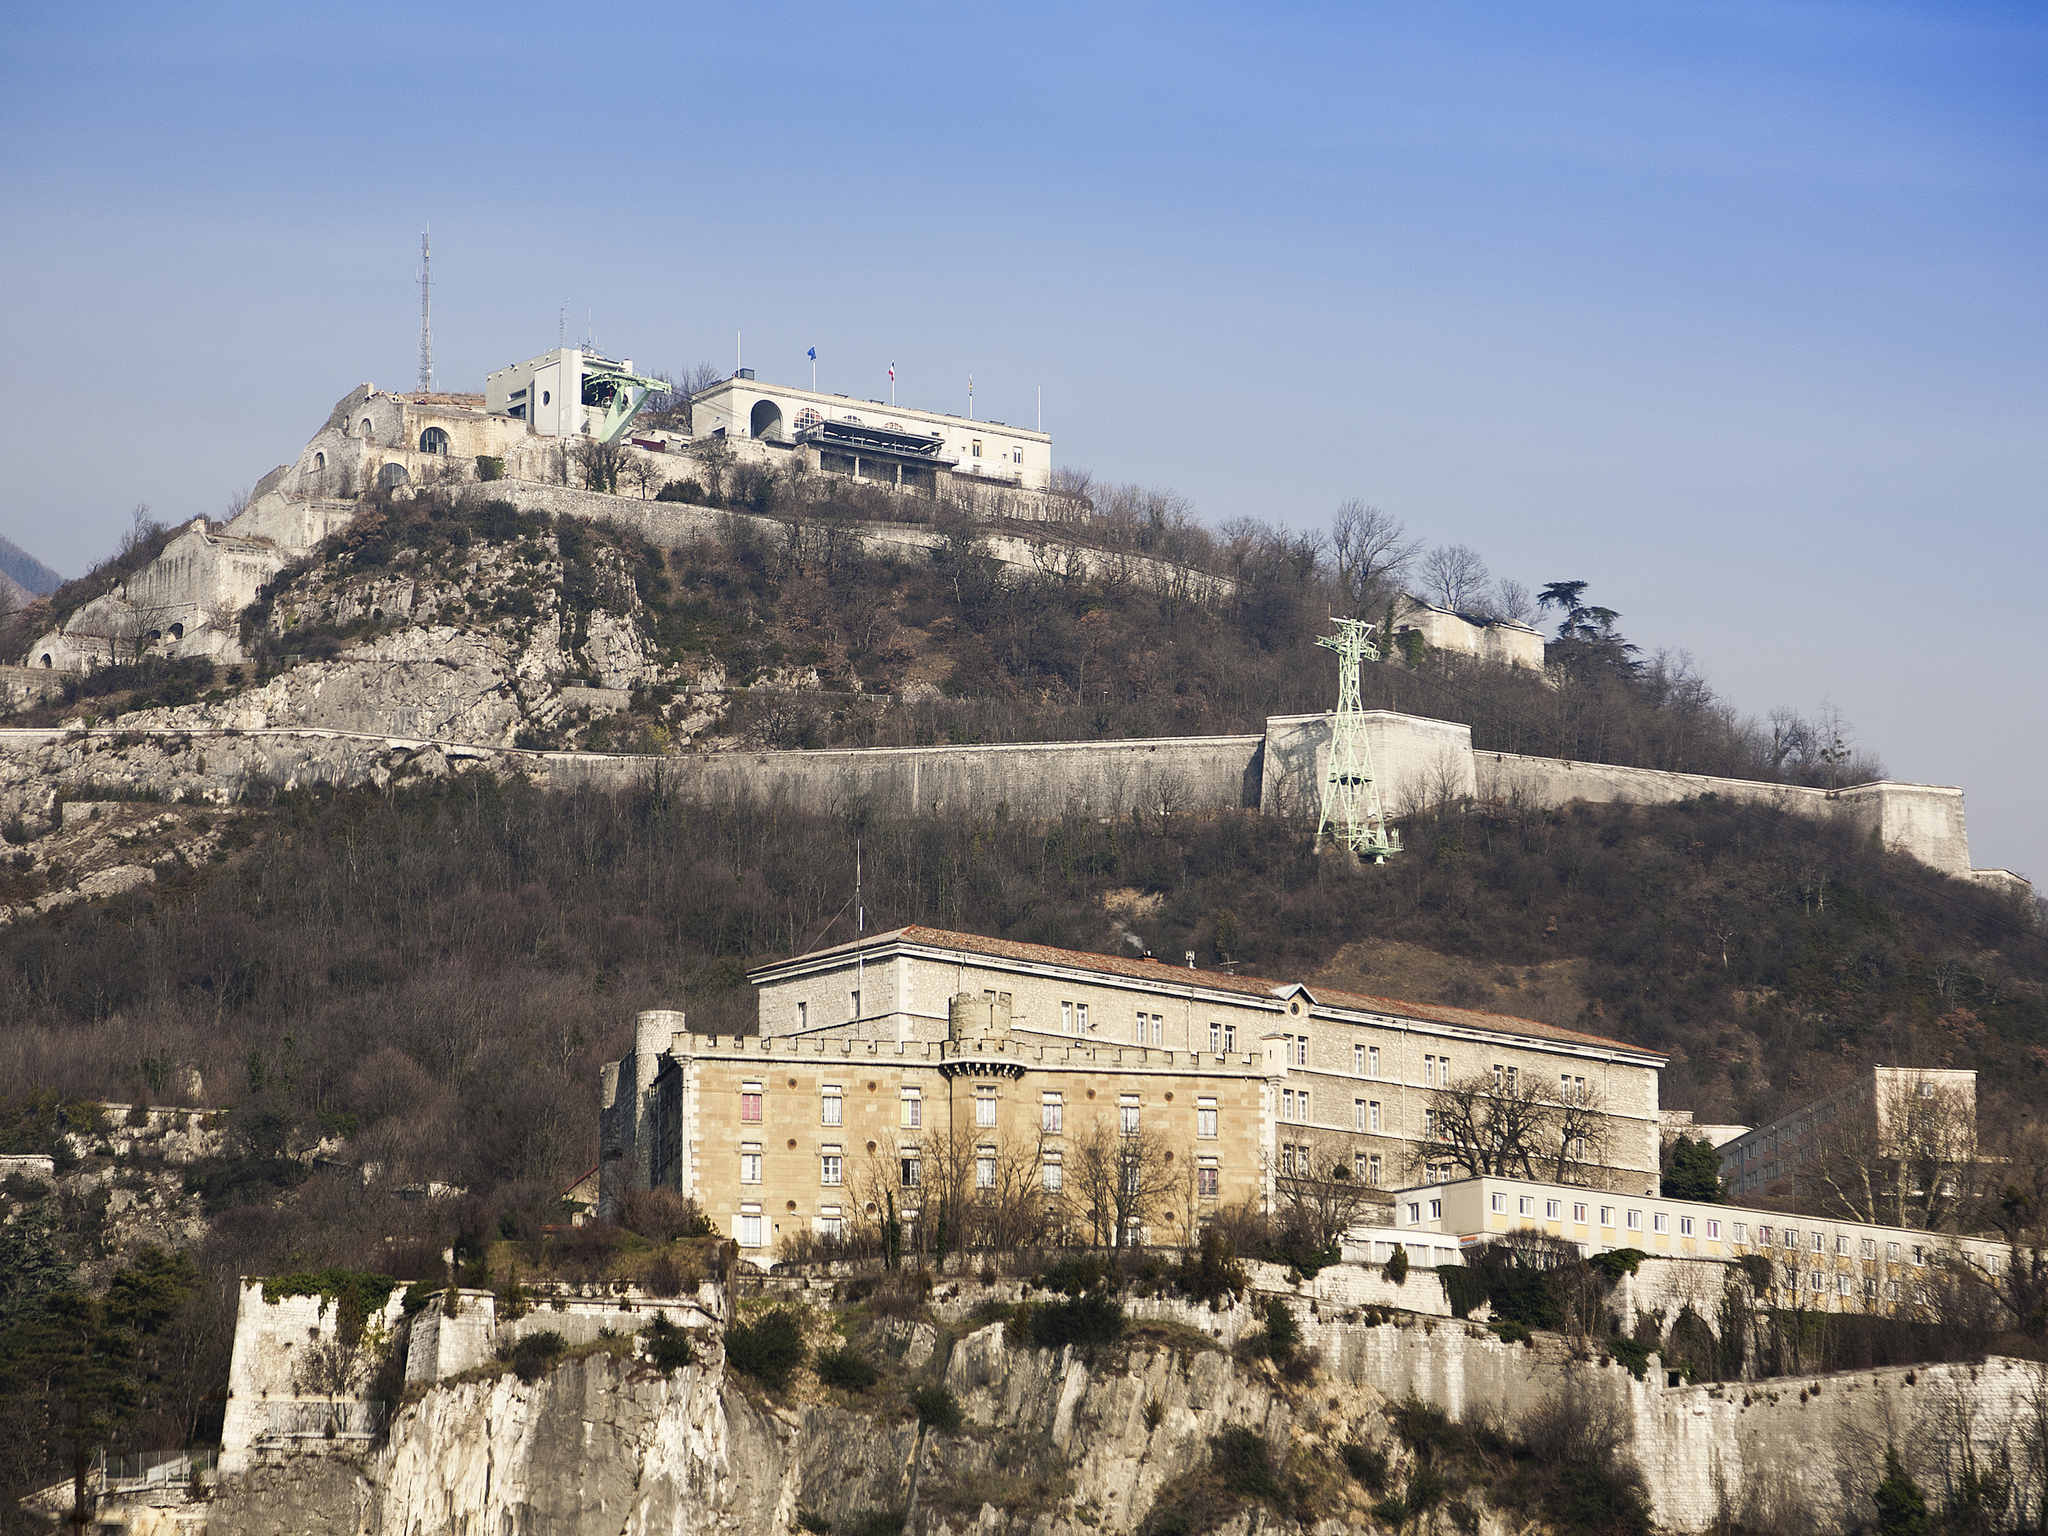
(1821, 1263)
(873, 440)
(1898, 1122)
(866, 1051)
(569, 393)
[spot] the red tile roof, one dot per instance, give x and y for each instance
(1217, 981)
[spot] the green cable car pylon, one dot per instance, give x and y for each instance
(1352, 813)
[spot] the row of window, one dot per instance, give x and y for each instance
(1052, 1110)
(910, 1168)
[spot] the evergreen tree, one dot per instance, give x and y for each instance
(1901, 1506)
(1694, 1171)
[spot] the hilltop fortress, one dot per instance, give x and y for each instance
(540, 419)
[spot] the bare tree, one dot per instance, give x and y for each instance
(1580, 1128)
(1373, 551)
(669, 406)
(1908, 1158)
(1115, 1183)
(600, 463)
(1498, 1122)
(1511, 600)
(1455, 575)
(1319, 1197)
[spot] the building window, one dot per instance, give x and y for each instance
(1205, 1119)
(1661, 1221)
(1500, 1203)
(831, 1166)
(1606, 1215)
(1372, 1114)
(750, 1103)
(1206, 1180)
(1816, 1281)
(1066, 1017)
(1635, 1221)
(1051, 1114)
(831, 1106)
(1300, 1043)
(985, 1168)
(1414, 1212)
(803, 1016)
(977, 447)
(1841, 1285)
(1215, 1038)
(1287, 1158)
(750, 1163)
(1685, 1226)
(1230, 1039)
(1151, 1028)
(1051, 1174)
(1436, 1210)
(829, 1223)
(984, 1107)
(1127, 1114)
(910, 1170)
(1429, 1071)
(1870, 1288)
(1286, 1103)
(1372, 1061)
(853, 1004)
(747, 1230)
(913, 1108)
(1741, 1232)
(1870, 1247)
(1919, 1255)
(1714, 1228)
(1552, 1210)
(1358, 1114)
(1579, 1212)
(1891, 1251)
(1375, 1171)
(434, 440)
(1791, 1237)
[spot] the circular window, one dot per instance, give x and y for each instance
(545, 397)
(807, 419)
(792, 1082)
(792, 1143)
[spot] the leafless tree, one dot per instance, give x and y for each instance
(714, 457)
(600, 463)
(1116, 1183)
(1510, 600)
(1373, 551)
(1579, 1129)
(1907, 1159)
(1454, 575)
(1320, 1198)
(1500, 1123)
(669, 406)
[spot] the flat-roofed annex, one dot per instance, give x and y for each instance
(1155, 975)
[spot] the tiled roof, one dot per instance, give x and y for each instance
(1216, 981)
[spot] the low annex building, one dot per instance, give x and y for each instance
(876, 1059)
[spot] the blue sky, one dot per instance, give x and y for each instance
(1734, 311)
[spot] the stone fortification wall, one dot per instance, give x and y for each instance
(440, 1343)
(673, 524)
(270, 1396)
(1417, 761)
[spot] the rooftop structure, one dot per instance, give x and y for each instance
(873, 439)
(569, 393)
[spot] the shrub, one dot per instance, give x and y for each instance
(937, 1408)
(1464, 1288)
(1073, 1275)
(1213, 1273)
(810, 1520)
(1243, 1464)
(1283, 1334)
(1617, 1262)
(1368, 1464)
(531, 1356)
(1397, 1264)
(668, 1345)
(846, 1369)
(1155, 1412)
(1630, 1353)
(1901, 1506)
(662, 1215)
(1085, 1322)
(489, 467)
(875, 1522)
(767, 1349)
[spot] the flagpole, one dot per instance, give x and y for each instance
(970, 397)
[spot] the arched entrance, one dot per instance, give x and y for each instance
(391, 477)
(766, 420)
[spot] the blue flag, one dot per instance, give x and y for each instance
(814, 354)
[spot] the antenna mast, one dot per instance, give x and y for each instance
(1352, 812)
(426, 318)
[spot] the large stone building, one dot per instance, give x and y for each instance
(875, 1059)
(1895, 1127)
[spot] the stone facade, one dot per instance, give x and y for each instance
(1893, 1112)
(1505, 642)
(867, 1052)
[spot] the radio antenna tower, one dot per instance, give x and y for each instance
(426, 318)
(1352, 812)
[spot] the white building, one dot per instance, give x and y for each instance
(872, 439)
(569, 393)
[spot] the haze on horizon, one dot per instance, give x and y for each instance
(1733, 311)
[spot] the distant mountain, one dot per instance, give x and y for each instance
(26, 570)
(12, 593)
